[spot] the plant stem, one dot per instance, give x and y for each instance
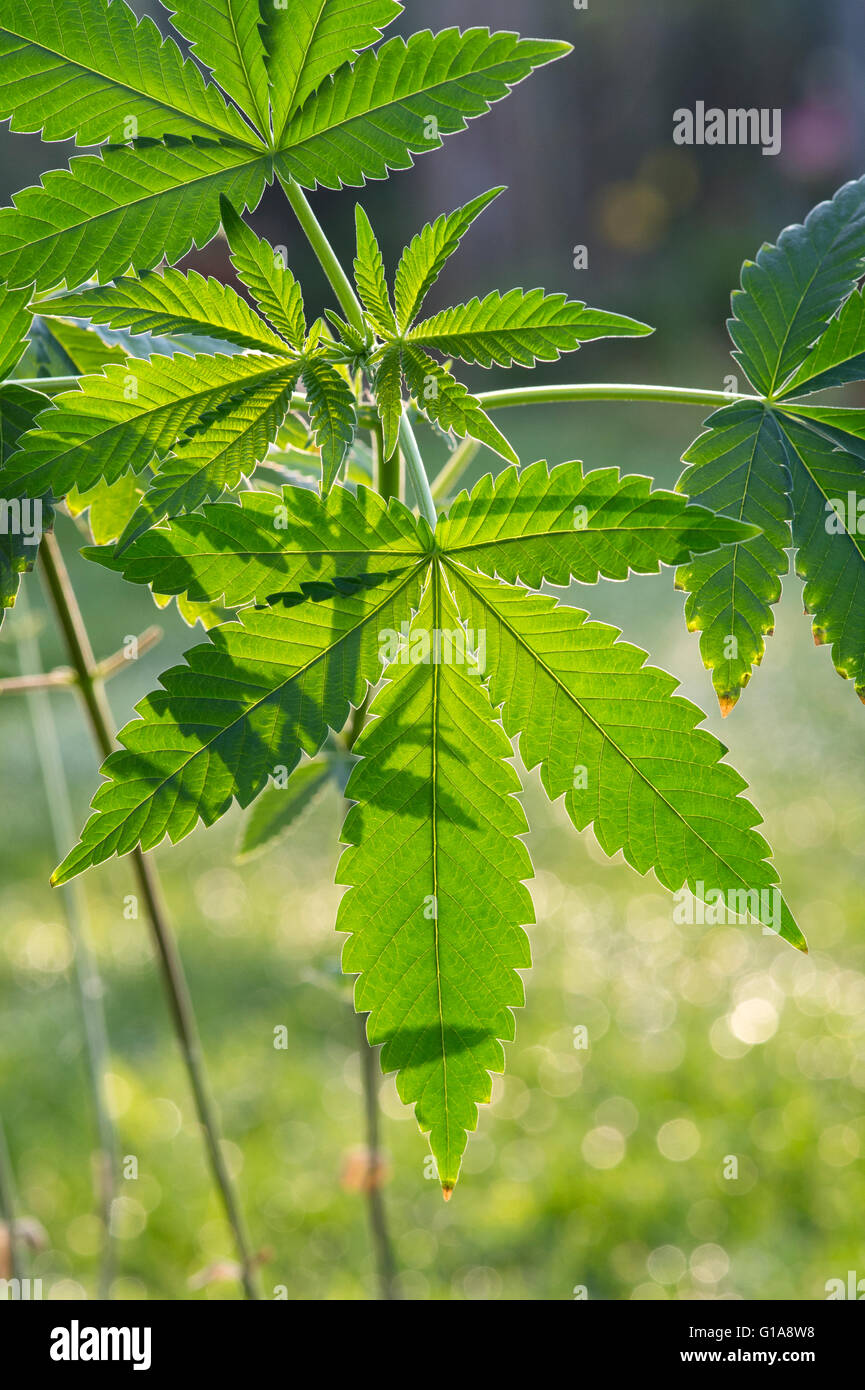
(68, 613)
(416, 470)
(86, 972)
(327, 257)
(377, 1212)
(388, 473)
(604, 391)
(462, 456)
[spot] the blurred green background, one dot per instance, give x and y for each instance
(601, 1167)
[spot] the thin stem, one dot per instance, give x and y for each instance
(416, 470)
(86, 972)
(376, 1210)
(618, 391)
(339, 281)
(461, 458)
(38, 680)
(68, 613)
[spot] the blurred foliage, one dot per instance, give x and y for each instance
(600, 1167)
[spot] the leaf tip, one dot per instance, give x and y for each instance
(447, 1191)
(726, 704)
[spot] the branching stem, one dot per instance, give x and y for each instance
(65, 606)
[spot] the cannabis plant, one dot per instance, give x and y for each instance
(254, 466)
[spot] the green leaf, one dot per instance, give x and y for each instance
(15, 319)
(447, 401)
(119, 420)
(423, 259)
(738, 468)
(23, 519)
(214, 458)
(312, 39)
(279, 807)
(108, 506)
(94, 71)
(225, 37)
(265, 274)
(271, 542)
(170, 302)
(521, 326)
(838, 356)
(388, 397)
(400, 99)
(129, 206)
(792, 290)
(258, 695)
(370, 278)
(331, 408)
(828, 486)
(436, 904)
(612, 738)
(551, 526)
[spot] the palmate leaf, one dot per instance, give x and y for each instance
(19, 407)
(311, 39)
(520, 326)
(225, 37)
(551, 526)
(258, 695)
(94, 71)
(610, 735)
(435, 867)
(135, 205)
(121, 419)
(437, 904)
(170, 301)
(424, 258)
(738, 468)
(400, 99)
(798, 327)
(446, 400)
(792, 290)
(272, 542)
(156, 198)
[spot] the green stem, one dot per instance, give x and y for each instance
(603, 391)
(388, 473)
(416, 470)
(327, 257)
(86, 972)
(68, 613)
(462, 456)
